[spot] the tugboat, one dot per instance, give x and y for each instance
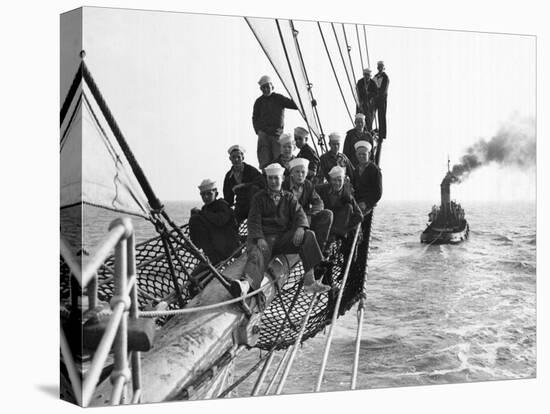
(447, 224)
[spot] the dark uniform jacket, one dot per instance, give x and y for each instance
(368, 185)
(265, 218)
(307, 152)
(365, 94)
(352, 136)
(250, 176)
(269, 112)
(329, 160)
(382, 82)
(309, 199)
(336, 201)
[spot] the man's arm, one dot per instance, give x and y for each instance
(256, 115)
(220, 214)
(228, 194)
(316, 202)
(286, 102)
(254, 223)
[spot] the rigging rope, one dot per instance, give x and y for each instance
(366, 45)
(336, 309)
(321, 138)
(344, 63)
(348, 47)
(334, 72)
(359, 47)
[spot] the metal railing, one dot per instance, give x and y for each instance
(124, 305)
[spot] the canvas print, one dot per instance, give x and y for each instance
(258, 206)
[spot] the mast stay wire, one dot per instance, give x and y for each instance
(321, 139)
(334, 72)
(348, 47)
(359, 47)
(352, 87)
(294, 80)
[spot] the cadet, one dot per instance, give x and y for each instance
(213, 228)
(381, 99)
(300, 137)
(367, 179)
(366, 92)
(241, 182)
(277, 224)
(286, 143)
(319, 218)
(268, 121)
(333, 158)
(338, 197)
(354, 135)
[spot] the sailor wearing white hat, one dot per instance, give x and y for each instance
(300, 137)
(213, 228)
(366, 91)
(358, 133)
(277, 224)
(320, 219)
(241, 182)
(367, 178)
(286, 141)
(382, 82)
(268, 120)
(337, 196)
(334, 157)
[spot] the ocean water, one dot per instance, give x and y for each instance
(434, 314)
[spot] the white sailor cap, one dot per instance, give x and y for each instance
(298, 161)
(367, 70)
(285, 139)
(335, 137)
(207, 184)
(235, 147)
(301, 132)
(264, 79)
(380, 62)
(362, 144)
(360, 115)
(337, 171)
(274, 169)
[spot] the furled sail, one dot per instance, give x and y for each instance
(279, 41)
(94, 169)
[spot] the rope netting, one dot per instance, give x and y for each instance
(155, 284)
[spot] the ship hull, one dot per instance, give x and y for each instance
(436, 235)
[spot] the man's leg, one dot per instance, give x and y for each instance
(341, 220)
(264, 149)
(381, 106)
(275, 147)
(201, 236)
(256, 263)
(321, 223)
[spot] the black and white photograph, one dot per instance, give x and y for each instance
(256, 206)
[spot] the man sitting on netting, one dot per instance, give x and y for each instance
(338, 197)
(213, 227)
(287, 145)
(320, 219)
(241, 182)
(277, 224)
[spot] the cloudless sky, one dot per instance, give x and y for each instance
(182, 86)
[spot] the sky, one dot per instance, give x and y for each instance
(182, 86)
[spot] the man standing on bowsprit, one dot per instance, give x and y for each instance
(268, 121)
(381, 99)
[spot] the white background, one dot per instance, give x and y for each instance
(30, 110)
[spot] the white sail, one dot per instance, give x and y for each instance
(94, 169)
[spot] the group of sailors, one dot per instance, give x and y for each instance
(300, 203)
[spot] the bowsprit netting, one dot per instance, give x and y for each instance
(155, 284)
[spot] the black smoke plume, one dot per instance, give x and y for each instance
(513, 146)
